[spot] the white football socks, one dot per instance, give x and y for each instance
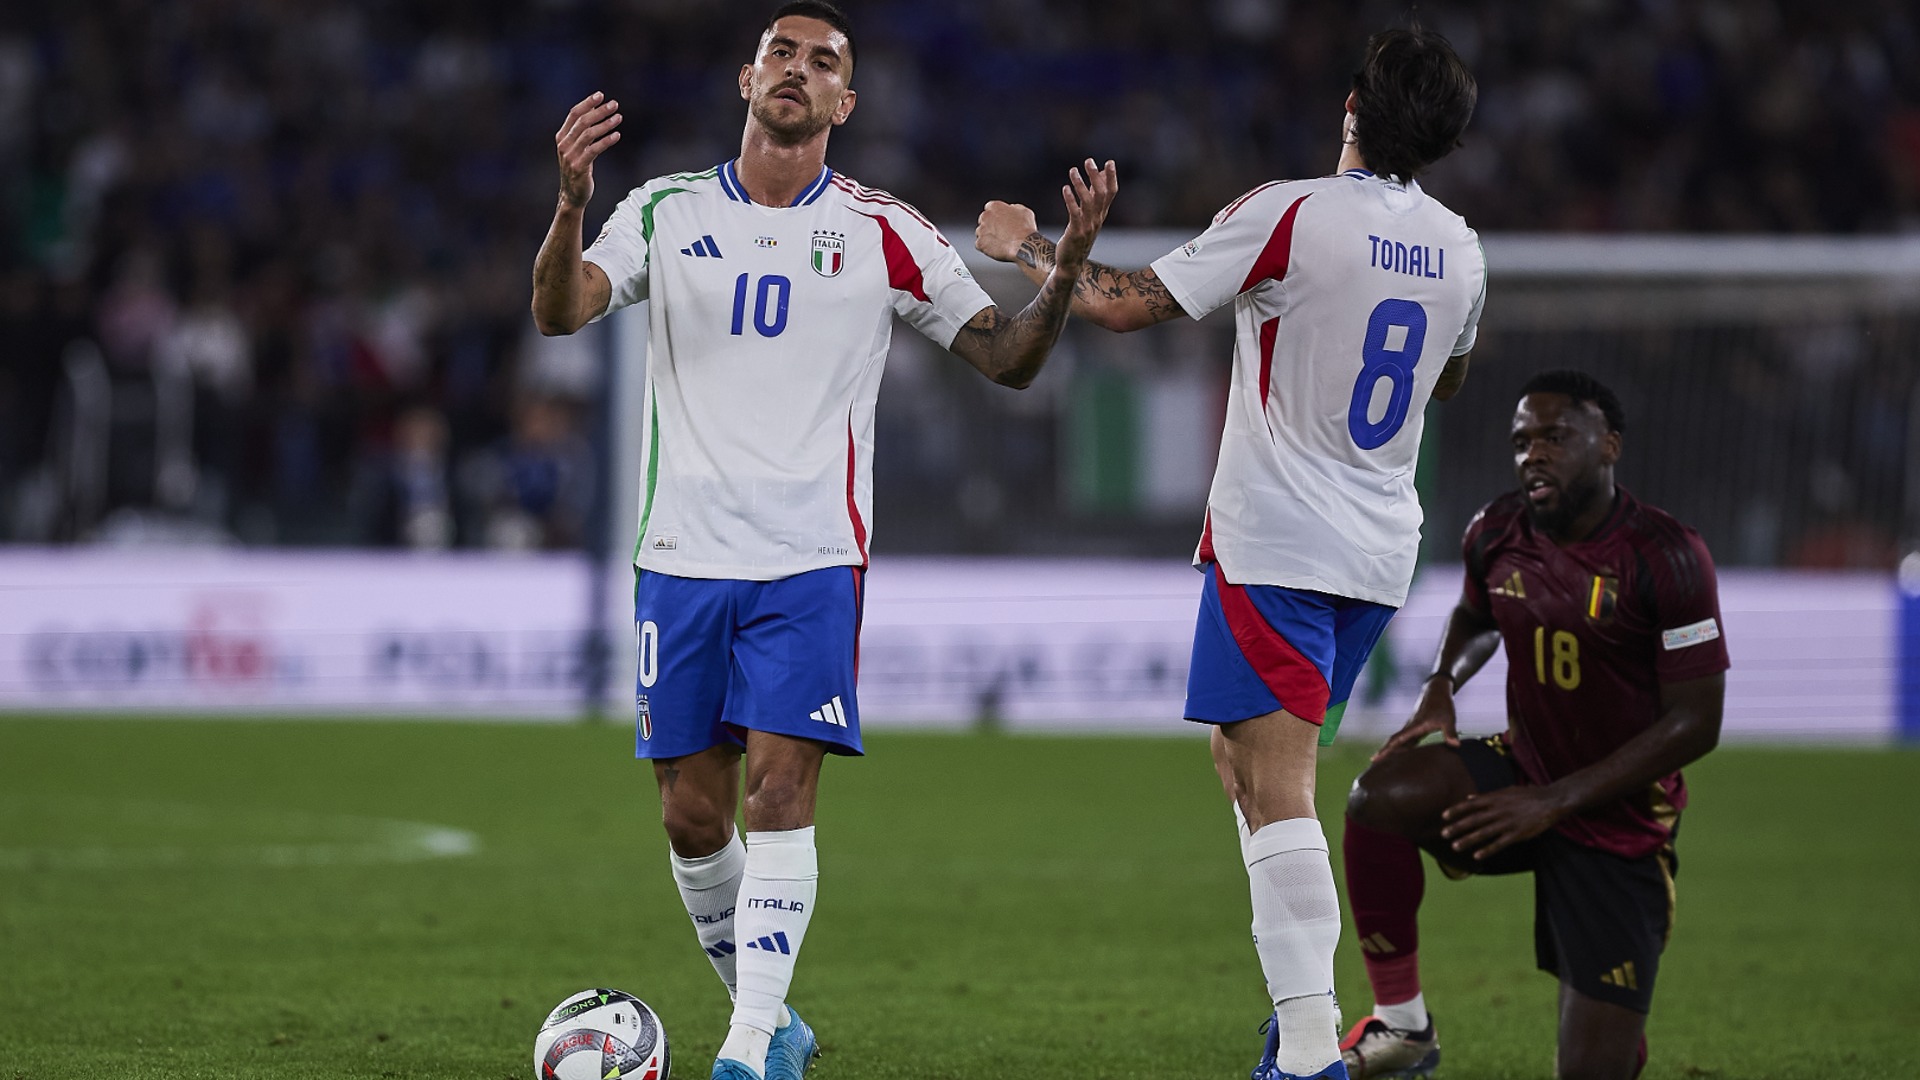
(775, 905)
(1409, 1015)
(709, 886)
(1296, 925)
(747, 1046)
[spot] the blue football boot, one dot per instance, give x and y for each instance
(793, 1049)
(1265, 1069)
(729, 1069)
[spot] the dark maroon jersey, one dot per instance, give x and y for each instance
(1591, 631)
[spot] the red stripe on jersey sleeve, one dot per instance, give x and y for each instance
(1301, 688)
(1274, 258)
(1242, 201)
(902, 272)
(862, 193)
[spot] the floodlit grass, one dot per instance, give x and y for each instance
(229, 899)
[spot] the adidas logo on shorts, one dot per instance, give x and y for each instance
(831, 713)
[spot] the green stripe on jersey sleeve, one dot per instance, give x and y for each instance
(646, 213)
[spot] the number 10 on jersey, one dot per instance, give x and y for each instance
(769, 304)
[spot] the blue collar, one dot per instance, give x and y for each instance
(730, 183)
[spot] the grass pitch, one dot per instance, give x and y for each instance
(343, 899)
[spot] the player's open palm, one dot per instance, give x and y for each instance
(1433, 713)
(586, 134)
(1088, 199)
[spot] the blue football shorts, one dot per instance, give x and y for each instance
(718, 657)
(1261, 648)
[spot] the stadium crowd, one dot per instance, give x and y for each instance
(307, 227)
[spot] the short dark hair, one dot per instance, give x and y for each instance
(1412, 100)
(815, 9)
(1582, 388)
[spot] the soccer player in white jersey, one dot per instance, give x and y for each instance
(1356, 298)
(773, 284)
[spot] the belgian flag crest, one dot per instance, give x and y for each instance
(1603, 596)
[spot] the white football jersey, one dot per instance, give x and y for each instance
(1350, 294)
(767, 333)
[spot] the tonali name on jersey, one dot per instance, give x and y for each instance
(1592, 629)
(766, 341)
(1341, 335)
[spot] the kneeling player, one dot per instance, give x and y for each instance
(1615, 678)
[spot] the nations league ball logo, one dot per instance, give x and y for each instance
(829, 253)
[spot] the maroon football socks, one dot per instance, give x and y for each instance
(1385, 883)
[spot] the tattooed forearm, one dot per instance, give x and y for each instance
(563, 285)
(1011, 350)
(1104, 296)
(552, 269)
(1036, 253)
(1104, 288)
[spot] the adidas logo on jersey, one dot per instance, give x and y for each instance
(703, 248)
(1511, 587)
(833, 712)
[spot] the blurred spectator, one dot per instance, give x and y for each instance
(208, 345)
(532, 490)
(402, 496)
(136, 312)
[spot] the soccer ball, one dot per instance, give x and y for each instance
(601, 1035)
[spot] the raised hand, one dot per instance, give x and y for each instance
(1002, 229)
(586, 134)
(1434, 712)
(1088, 199)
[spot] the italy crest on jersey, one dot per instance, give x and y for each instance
(829, 253)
